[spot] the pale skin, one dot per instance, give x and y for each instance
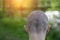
(36, 36)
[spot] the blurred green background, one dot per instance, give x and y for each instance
(12, 22)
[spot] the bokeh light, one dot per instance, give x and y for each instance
(22, 3)
(17, 3)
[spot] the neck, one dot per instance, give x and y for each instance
(35, 36)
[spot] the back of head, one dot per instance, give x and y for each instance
(37, 22)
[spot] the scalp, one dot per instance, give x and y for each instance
(37, 21)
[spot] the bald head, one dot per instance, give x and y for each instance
(37, 22)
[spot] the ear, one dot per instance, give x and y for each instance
(26, 28)
(49, 27)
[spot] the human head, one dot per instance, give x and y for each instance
(37, 23)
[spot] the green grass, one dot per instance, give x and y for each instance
(12, 30)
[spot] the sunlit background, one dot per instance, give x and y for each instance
(22, 3)
(23, 6)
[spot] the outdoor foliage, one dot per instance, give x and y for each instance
(53, 35)
(13, 29)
